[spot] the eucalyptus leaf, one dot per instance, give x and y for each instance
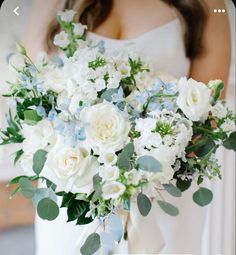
(230, 142)
(202, 196)
(107, 95)
(149, 163)
(115, 226)
(124, 157)
(26, 187)
(168, 208)
(144, 204)
(47, 209)
(91, 245)
(39, 160)
(43, 193)
(183, 185)
(172, 190)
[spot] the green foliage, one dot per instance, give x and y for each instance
(172, 190)
(12, 133)
(149, 163)
(98, 62)
(168, 208)
(124, 158)
(97, 187)
(31, 117)
(202, 196)
(91, 245)
(39, 160)
(43, 193)
(230, 142)
(18, 155)
(144, 204)
(183, 185)
(47, 209)
(26, 187)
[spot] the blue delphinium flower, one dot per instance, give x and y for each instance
(41, 111)
(118, 97)
(170, 88)
(52, 114)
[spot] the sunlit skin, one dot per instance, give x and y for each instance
(122, 22)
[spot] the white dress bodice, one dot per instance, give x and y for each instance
(163, 47)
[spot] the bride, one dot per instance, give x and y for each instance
(183, 38)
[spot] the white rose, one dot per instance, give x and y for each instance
(67, 15)
(109, 173)
(16, 61)
(71, 169)
(112, 190)
(193, 99)
(39, 136)
(107, 128)
(61, 40)
(79, 28)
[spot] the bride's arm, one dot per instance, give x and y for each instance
(42, 12)
(215, 61)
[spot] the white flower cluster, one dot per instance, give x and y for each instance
(163, 135)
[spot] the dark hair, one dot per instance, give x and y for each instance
(93, 12)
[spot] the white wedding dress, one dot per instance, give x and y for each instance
(164, 48)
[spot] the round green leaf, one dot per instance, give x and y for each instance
(172, 190)
(26, 187)
(168, 208)
(144, 204)
(43, 193)
(149, 163)
(91, 245)
(183, 185)
(47, 209)
(203, 196)
(39, 160)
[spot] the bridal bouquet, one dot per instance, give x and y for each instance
(104, 131)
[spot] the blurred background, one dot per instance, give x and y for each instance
(17, 214)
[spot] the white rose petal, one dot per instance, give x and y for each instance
(112, 190)
(61, 40)
(71, 169)
(106, 128)
(193, 99)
